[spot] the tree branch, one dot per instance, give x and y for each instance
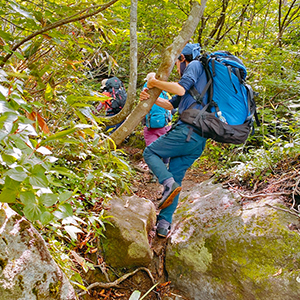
(17, 26)
(76, 17)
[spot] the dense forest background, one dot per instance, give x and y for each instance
(55, 159)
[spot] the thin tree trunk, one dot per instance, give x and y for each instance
(131, 93)
(290, 16)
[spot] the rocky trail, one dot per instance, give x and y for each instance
(143, 186)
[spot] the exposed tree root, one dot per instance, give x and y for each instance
(107, 285)
(282, 209)
(284, 181)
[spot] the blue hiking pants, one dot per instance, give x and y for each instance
(183, 146)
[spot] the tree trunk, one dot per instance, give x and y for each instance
(131, 93)
(163, 72)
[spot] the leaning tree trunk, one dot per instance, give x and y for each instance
(163, 72)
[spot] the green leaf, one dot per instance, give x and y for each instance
(38, 181)
(46, 217)
(55, 182)
(64, 211)
(19, 55)
(48, 93)
(2, 97)
(32, 212)
(28, 198)
(38, 177)
(78, 284)
(64, 171)
(6, 48)
(77, 104)
(20, 148)
(10, 191)
(77, 278)
(58, 136)
(6, 36)
(8, 159)
(17, 174)
(84, 99)
(65, 196)
(135, 295)
(48, 199)
(67, 208)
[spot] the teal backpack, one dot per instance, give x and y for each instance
(158, 117)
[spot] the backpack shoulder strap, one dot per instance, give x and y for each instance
(251, 104)
(208, 87)
(197, 96)
(204, 59)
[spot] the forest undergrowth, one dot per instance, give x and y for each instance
(283, 181)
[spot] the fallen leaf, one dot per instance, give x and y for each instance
(127, 203)
(278, 273)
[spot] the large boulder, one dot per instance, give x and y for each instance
(27, 271)
(126, 239)
(220, 249)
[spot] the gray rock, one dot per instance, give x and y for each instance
(27, 271)
(221, 250)
(126, 240)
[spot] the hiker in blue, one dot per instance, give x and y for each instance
(182, 144)
(157, 120)
(157, 123)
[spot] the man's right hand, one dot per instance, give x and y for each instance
(151, 82)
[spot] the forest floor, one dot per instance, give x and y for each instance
(284, 180)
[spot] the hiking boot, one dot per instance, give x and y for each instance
(171, 190)
(163, 228)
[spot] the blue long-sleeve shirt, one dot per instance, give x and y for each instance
(194, 75)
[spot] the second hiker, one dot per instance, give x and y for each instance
(157, 122)
(114, 88)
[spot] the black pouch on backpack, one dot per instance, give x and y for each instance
(209, 126)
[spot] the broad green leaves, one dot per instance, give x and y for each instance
(10, 190)
(17, 174)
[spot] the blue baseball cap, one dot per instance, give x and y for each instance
(191, 49)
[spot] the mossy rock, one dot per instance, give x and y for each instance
(222, 250)
(126, 239)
